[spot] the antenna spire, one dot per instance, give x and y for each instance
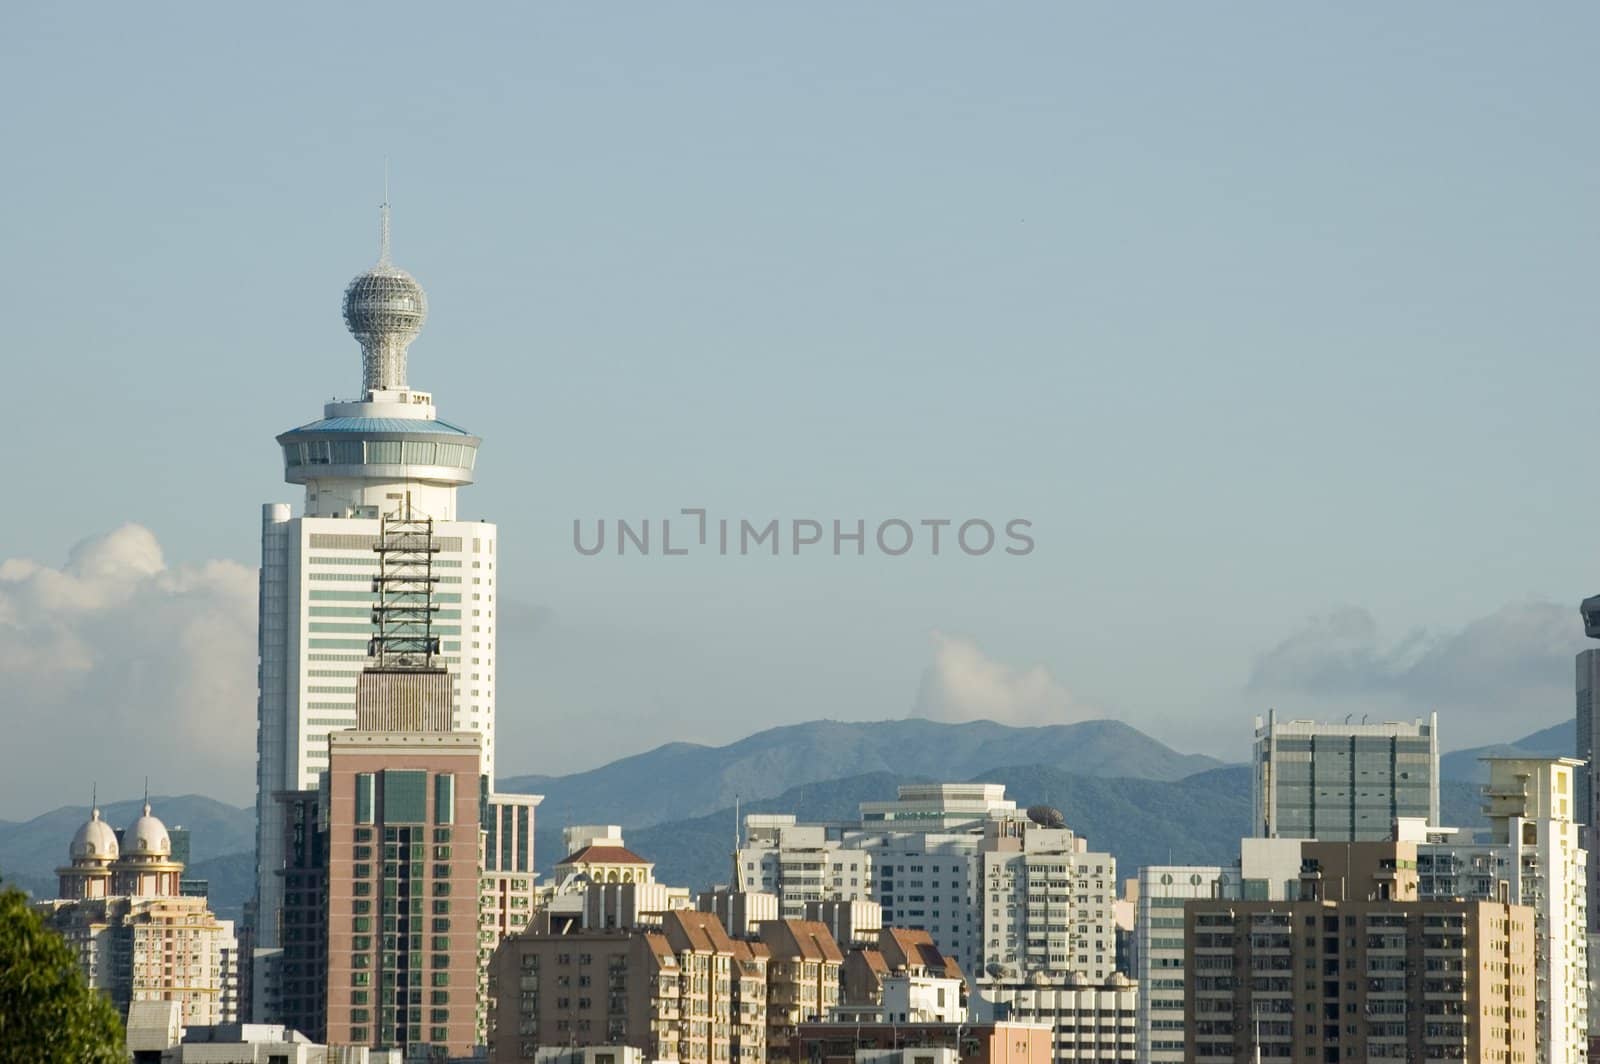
(94, 798)
(383, 211)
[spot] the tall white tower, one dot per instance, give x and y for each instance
(384, 452)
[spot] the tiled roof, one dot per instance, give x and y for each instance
(603, 855)
(702, 932)
(807, 939)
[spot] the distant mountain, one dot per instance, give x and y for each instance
(30, 851)
(682, 781)
(1558, 740)
(1197, 819)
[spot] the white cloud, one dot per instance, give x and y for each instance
(964, 684)
(1497, 677)
(115, 666)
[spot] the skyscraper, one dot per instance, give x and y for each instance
(1343, 782)
(383, 453)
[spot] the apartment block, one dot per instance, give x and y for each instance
(800, 864)
(803, 978)
(1090, 1024)
(669, 992)
(1532, 856)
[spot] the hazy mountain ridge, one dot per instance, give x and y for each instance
(689, 781)
(1197, 817)
(1558, 740)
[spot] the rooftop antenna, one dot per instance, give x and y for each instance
(94, 798)
(737, 885)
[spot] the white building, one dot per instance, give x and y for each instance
(916, 997)
(383, 453)
(1532, 857)
(1048, 904)
(1267, 870)
(1092, 1023)
(992, 885)
(800, 864)
(1158, 954)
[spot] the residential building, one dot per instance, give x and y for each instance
(1357, 968)
(921, 1043)
(1047, 903)
(382, 453)
(137, 938)
(801, 864)
(803, 979)
(852, 923)
(668, 991)
(1343, 782)
(896, 951)
(1532, 856)
(1091, 1024)
(1158, 954)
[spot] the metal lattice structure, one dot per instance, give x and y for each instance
(384, 309)
(404, 585)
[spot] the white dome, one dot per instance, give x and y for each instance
(95, 840)
(146, 837)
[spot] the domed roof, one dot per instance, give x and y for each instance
(94, 840)
(146, 837)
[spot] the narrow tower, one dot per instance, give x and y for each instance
(324, 610)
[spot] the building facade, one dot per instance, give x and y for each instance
(1532, 857)
(1342, 782)
(1158, 955)
(136, 936)
(1391, 980)
(1090, 1024)
(801, 864)
(386, 451)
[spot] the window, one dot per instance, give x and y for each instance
(444, 798)
(363, 800)
(404, 796)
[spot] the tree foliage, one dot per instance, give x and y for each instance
(48, 1011)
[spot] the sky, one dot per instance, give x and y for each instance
(1275, 322)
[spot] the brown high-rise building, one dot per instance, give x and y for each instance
(403, 868)
(1358, 969)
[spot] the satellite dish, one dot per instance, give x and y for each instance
(1046, 816)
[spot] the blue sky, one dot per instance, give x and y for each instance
(1277, 321)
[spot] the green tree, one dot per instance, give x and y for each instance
(48, 1013)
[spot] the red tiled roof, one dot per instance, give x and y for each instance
(603, 855)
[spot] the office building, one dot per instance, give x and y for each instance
(1342, 782)
(384, 453)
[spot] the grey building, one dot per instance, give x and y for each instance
(1343, 782)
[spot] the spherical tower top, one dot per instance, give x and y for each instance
(384, 309)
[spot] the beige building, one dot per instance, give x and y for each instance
(136, 938)
(1359, 969)
(669, 992)
(803, 979)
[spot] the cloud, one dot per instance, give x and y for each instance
(964, 684)
(1515, 662)
(115, 666)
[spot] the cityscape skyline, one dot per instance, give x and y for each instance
(1411, 514)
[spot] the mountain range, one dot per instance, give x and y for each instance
(691, 780)
(1128, 794)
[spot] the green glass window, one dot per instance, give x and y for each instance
(405, 796)
(444, 798)
(363, 797)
